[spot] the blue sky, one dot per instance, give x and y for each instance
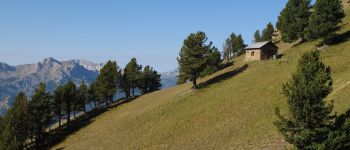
(99, 30)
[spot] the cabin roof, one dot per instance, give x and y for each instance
(258, 45)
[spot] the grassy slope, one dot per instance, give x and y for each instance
(235, 113)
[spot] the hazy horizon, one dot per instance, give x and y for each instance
(152, 31)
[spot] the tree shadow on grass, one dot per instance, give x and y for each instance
(341, 38)
(57, 135)
(223, 77)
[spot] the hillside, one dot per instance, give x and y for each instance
(234, 110)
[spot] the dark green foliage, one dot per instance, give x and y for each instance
(267, 33)
(326, 16)
(93, 98)
(70, 96)
(83, 97)
(307, 125)
(150, 80)
(125, 85)
(257, 36)
(107, 81)
(40, 114)
(339, 135)
(233, 46)
(132, 72)
(239, 45)
(294, 19)
(58, 104)
(213, 62)
(229, 46)
(181, 78)
(193, 56)
(15, 125)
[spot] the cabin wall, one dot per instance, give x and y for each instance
(254, 54)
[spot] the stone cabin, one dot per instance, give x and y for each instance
(261, 51)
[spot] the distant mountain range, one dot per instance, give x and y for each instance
(52, 72)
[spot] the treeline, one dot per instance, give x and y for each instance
(300, 20)
(26, 123)
(266, 34)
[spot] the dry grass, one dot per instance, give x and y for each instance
(235, 113)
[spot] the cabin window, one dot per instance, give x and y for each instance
(252, 53)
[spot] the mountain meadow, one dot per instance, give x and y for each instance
(234, 108)
(298, 99)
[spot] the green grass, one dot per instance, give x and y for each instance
(236, 113)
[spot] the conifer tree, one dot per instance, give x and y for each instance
(107, 81)
(133, 73)
(150, 80)
(307, 125)
(15, 130)
(58, 104)
(125, 85)
(225, 51)
(193, 56)
(326, 16)
(257, 36)
(268, 32)
(40, 114)
(238, 45)
(70, 96)
(181, 78)
(93, 94)
(83, 97)
(213, 61)
(294, 19)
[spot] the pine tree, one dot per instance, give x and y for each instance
(306, 126)
(58, 104)
(193, 56)
(150, 80)
(213, 61)
(83, 97)
(40, 114)
(15, 131)
(133, 73)
(181, 78)
(226, 49)
(293, 20)
(238, 45)
(325, 19)
(107, 81)
(257, 36)
(70, 96)
(125, 85)
(268, 32)
(93, 97)
(155, 82)
(229, 46)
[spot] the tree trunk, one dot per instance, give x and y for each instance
(59, 120)
(111, 100)
(95, 103)
(74, 113)
(194, 83)
(133, 92)
(68, 114)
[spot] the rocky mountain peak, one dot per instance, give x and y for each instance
(51, 61)
(6, 67)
